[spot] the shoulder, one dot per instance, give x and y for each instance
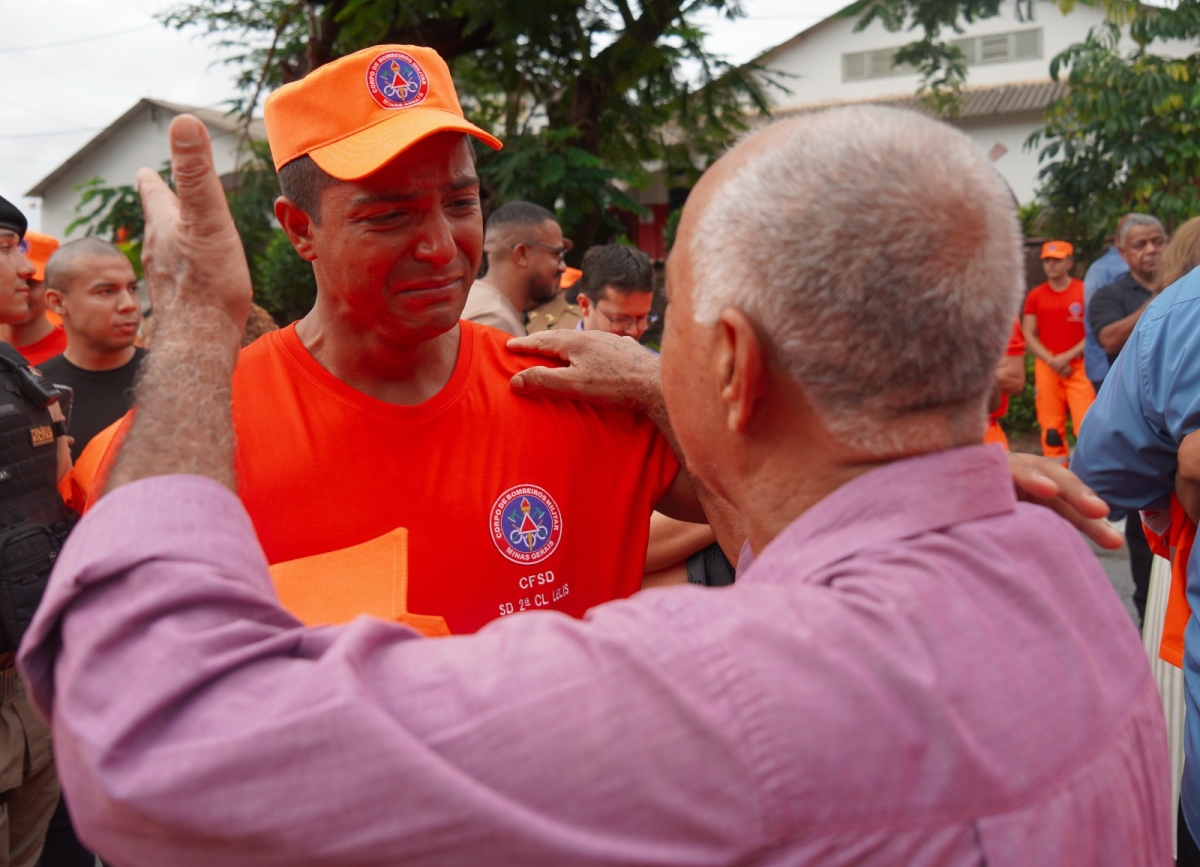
(57, 366)
(554, 314)
(1036, 293)
(261, 360)
(494, 356)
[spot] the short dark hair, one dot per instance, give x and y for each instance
(63, 264)
(518, 214)
(621, 268)
(302, 181)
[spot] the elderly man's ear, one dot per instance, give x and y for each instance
(741, 367)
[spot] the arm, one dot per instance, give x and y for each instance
(672, 541)
(616, 371)
(1187, 477)
(1029, 327)
(1112, 332)
(1074, 352)
(1060, 364)
(179, 691)
(1011, 374)
(1128, 444)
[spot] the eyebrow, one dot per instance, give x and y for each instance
(8, 233)
(378, 198)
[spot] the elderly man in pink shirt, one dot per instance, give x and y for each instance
(915, 669)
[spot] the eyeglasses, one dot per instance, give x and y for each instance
(560, 252)
(625, 323)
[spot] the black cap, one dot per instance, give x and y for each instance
(11, 218)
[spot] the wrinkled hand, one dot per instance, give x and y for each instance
(603, 369)
(1048, 483)
(192, 255)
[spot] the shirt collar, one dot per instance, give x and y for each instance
(902, 499)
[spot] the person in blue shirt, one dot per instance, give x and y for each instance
(1128, 453)
(1099, 274)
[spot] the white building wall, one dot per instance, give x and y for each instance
(812, 65)
(1018, 166)
(142, 142)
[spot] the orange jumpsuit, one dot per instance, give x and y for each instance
(1059, 317)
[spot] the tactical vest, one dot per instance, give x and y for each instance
(34, 522)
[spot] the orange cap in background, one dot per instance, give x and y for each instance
(569, 278)
(356, 114)
(1057, 250)
(37, 249)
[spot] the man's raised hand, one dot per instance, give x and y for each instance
(192, 254)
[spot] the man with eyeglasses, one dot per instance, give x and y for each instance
(616, 291)
(525, 258)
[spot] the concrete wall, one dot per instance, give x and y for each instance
(141, 142)
(813, 64)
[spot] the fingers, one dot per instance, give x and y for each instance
(1074, 492)
(1028, 479)
(537, 381)
(201, 198)
(158, 202)
(555, 344)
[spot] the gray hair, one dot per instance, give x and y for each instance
(880, 253)
(1132, 220)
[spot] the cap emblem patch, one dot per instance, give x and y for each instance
(396, 80)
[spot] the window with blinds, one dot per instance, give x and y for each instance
(977, 50)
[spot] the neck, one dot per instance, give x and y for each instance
(83, 354)
(31, 332)
(807, 463)
(1146, 281)
(511, 285)
(402, 374)
(1060, 283)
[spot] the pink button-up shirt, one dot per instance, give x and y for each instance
(917, 671)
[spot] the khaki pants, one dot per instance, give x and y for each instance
(28, 784)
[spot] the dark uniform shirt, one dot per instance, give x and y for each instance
(101, 396)
(1114, 302)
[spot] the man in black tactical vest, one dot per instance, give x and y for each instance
(33, 524)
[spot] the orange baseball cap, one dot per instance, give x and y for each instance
(1057, 250)
(569, 278)
(37, 249)
(356, 114)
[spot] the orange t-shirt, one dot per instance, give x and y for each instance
(54, 343)
(499, 519)
(1059, 315)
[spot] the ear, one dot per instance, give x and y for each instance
(54, 301)
(741, 367)
(520, 255)
(584, 303)
(297, 225)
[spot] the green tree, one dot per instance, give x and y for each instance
(585, 93)
(1124, 137)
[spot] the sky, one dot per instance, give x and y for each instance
(71, 67)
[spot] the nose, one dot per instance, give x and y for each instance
(436, 244)
(25, 269)
(128, 300)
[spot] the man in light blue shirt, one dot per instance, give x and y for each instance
(1127, 452)
(1099, 274)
